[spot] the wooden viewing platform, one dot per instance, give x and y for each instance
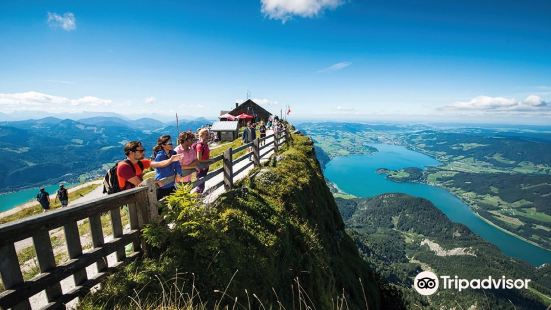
(141, 206)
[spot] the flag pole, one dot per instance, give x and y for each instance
(177, 125)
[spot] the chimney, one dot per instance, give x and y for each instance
(236, 104)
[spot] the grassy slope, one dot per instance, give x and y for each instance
(278, 235)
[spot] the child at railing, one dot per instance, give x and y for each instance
(202, 152)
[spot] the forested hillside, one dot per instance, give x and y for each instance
(49, 150)
(402, 235)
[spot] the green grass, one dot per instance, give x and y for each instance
(528, 167)
(398, 174)
(533, 214)
(467, 146)
(498, 157)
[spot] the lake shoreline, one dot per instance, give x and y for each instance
(464, 201)
(341, 170)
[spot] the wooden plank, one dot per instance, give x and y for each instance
(116, 225)
(24, 228)
(134, 224)
(11, 276)
(240, 159)
(241, 148)
(228, 169)
(209, 176)
(242, 169)
(267, 145)
(83, 289)
(31, 287)
(74, 249)
(46, 261)
(97, 239)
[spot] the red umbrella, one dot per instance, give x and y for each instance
(244, 116)
(227, 116)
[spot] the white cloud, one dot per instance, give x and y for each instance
(484, 104)
(285, 9)
(534, 101)
(61, 82)
(66, 22)
(345, 109)
(150, 100)
(335, 67)
(35, 101)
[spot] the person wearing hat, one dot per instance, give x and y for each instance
(44, 198)
(62, 195)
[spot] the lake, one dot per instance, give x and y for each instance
(14, 199)
(357, 175)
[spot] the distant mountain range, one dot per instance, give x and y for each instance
(48, 150)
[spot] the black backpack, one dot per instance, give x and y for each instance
(111, 181)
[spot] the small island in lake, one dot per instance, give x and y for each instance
(409, 174)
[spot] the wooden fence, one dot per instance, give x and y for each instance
(141, 205)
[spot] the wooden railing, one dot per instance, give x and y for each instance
(141, 206)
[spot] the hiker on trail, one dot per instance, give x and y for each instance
(44, 198)
(62, 195)
(202, 152)
(130, 170)
(262, 130)
(188, 158)
(161, 152)
(249, 134)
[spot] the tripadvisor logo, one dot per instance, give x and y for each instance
(427, 283)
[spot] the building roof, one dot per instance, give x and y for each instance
(249, 102)
(225, 126)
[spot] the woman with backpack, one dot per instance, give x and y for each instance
(163, 151)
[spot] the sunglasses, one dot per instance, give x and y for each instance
(139, 150)
(169, 143)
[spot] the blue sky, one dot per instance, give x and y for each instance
(326, 59)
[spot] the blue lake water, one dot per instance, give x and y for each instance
(357, 175)
(14, 199)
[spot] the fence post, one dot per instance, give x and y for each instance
(256, 152)
(275, 142)
(11, 272)
(153, 204)
(46, 261)
(228, 169)
(287, 136)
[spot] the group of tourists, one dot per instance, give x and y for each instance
(249, 133)
(188, 157)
